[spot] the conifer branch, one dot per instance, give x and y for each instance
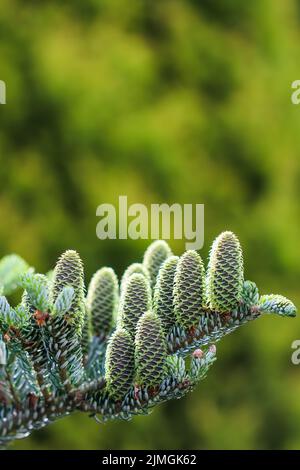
(61, 352)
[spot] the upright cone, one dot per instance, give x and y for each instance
(134, 268)
(189, 289)
(163, 293)
(119, 365)
(135, 301)
(151, 351)
(102, 300)
(154, 257)
(69, 272)
(225, 274)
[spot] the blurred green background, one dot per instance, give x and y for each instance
(164, 101)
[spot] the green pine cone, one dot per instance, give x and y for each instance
(102, 300)
(151, 350)
(189, 289)
(277, 304)
(69, 272)
(225, 274)
(163, 293)
(135, 301)
(154, 257)
(132, 269)
(250, 294)
(119, 364)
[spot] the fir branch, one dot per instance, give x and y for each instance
(50, 365)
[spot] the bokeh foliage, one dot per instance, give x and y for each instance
(169, 101)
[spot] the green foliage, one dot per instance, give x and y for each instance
(6, 313)
(102, 300)
(154, 257)
(135, 301)
(63, 302)
(225, 274)
(151, 350)
(37, 290)
(277, 304)
(119, 364)
(250, 294)
(10, 317)
(189, 289)
(65, 351)
(11, 267)
(32, 340)
(163, 302)
(3, 353)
